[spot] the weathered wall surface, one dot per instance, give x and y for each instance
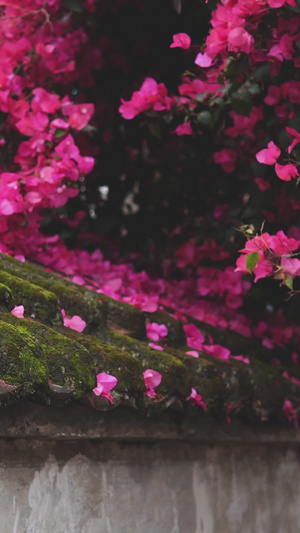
(111, 487)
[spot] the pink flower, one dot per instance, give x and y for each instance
(18, 311)
(156, 332)
(156, 346)
(184, 129)
(226, 158)
(203, 60)
(79, 115)
(194, 337)
(216, 350)
(193, 353)
(286, 172)
(44, 102)
(263, 185)
(152, 379)
(196, 399)
(292, 379)
(105, 383)
(75, 322)
(269, 155)
(295, 136)
(241, 358)
(181, 40)
(290, 412)
(240, 40)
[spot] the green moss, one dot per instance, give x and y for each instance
(175, 374)
(176, 336)
(124, 318)
(120, 363)
(76, 300)
(38, 303)
(20, 362)
(5, 297)
(69, 363)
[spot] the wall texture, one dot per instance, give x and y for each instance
(167, 487)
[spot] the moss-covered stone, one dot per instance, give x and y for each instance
(38, 303)
(112, 360)
(175, 375)
(6, 297)
(21, 361)
(124, 318)
(69, 364)
(76, 300)
(176, 336)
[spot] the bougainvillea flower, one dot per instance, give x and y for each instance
(286, 172)
(196, 399)
(268, 156)
(291, 378)
(193, 353)
(152, 379)
(290, 412)
(105, 383)
(18, 311)
(75, 322)
(203, 60)
(295, 136)
(184, 129)
(216, 350)
(262, 184)
(156, 332)
(194, 337)
(241, 358)
(155, 346)
(181, 40)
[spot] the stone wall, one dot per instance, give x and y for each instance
(166, 487)
(72, 469)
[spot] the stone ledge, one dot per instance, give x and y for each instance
(27, 420)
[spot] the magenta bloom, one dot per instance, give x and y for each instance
(156, 346)
(241, 358)
(18, 311)
(105, 383)
(181, 40)
(193, 353)
(152, 379)
(156, 332)
(290, 412)
(286, 172)
(203, 60)
(196, 399)
(184, 129)
(269, 155)
(194, 337)
(75, 322)
(216, 350)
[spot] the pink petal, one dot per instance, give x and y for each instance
(106, 381)
(203, 60)
(152, 378)
(18, 311)
(241, 358)
(193, 353)
(156, 346)
(181, 40)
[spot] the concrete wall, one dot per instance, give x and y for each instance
(167, 487)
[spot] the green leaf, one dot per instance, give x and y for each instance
(206, 118)
(154, 129)
(289, 282)
(242, 105)
(251, 261)
(73, 5)
(59, 133)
